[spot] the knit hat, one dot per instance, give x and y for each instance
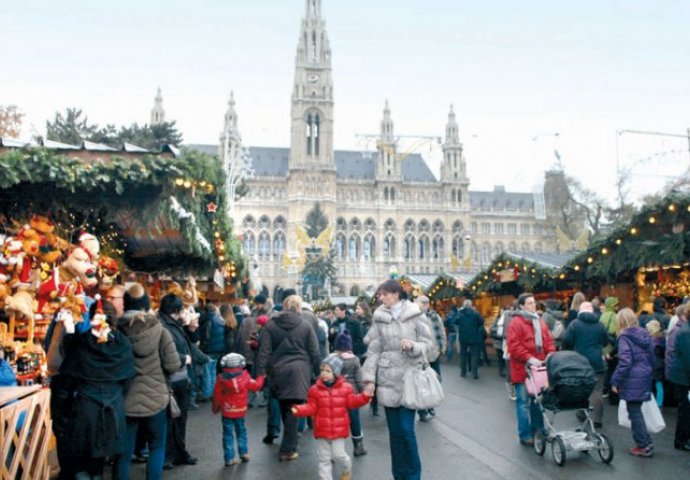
(260, 298)
(343, 342)
(611, 302)
(586, 307)
(335, 362)
(289, 291)
(136, 298)
(262, 320)
(233, 360)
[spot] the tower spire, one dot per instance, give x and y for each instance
(386, 124)
(452, 137)
(157, 112)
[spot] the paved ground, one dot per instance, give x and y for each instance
(473, 435)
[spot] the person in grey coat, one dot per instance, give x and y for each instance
(289, 352)
(399, 339)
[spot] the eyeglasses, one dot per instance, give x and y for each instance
(110, 297)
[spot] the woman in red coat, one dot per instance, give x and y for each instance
(529, 343)
(328, 401)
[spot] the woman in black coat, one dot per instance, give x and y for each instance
(289, 351)
(100, 367)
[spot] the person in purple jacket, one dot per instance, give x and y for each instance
(633, 377)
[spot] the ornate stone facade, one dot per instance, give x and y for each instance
(388, 210)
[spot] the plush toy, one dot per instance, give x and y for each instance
(21, 303)
(79, 266)
(40, 240)
(91, 245)
(5, 292)
(12, 260)
(99, 324)
(108, 270)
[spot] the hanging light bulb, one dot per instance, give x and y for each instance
(633, 231)
(590, 260)
(619, 241)
(604, 251)
(576, 268)
(652, 220)
(672, 208)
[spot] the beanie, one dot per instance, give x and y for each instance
(289, 291)
(260, 298)
(335, 362)
(343, 342)
(233, 360)
(136, 298)
(262, 320)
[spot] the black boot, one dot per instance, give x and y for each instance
(359, 447)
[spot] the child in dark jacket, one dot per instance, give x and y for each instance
(328, 402)
(659, 344)
(352, 372)
(230, 397)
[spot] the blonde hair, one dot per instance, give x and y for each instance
(229, 316)
(682, 310)
(293, 302)
(578, 298)
(625, 319)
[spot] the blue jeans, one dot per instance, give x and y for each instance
(639, 429)
(273, 417)
(355, 424)
(405, 463)
(450, 348)
(155, 430)
(209, 380)
(529, 416)
(234, 427)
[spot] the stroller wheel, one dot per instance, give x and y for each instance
(539, 442)
(558, 450)
(605, 448)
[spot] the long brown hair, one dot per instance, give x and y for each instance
(228, 315)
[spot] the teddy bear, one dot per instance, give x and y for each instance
(108, 270)
(40, 237)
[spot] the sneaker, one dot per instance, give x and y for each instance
(511, 391)
(245, 457)
(286, 457)
(268, 439)
(527, 442)
(432, 412)
(231, 462)
(642, 452)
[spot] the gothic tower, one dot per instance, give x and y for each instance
(388, 167)
(454, 168)
(230, 134)
(157, 112)
(311, 163)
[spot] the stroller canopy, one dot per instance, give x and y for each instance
(571, 379)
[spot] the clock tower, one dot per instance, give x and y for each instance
(311, 172)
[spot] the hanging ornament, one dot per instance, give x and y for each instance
(211, 207)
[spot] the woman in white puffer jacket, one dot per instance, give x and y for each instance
(398, 337)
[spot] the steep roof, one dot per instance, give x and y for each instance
(273, 161)
(501, 200)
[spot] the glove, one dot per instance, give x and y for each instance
(534, 362)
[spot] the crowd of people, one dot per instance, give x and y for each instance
(124, 396)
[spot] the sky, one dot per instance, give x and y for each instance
(517, 73)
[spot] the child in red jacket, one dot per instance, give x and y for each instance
(230, 397)
(328, 401)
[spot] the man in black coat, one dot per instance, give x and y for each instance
(470, 327)
(344, 322)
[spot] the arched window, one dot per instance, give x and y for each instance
(369, 225)
(340, 224)
(389, 226)
(486, 253)
(279, 223)
(498, 249)
(385, 194)
(437, 248)
(392, 193)
(368, 248)
(389, 248)
(278, 245)
(353, 248)
(313, 134)
(409, 247)
(423, 248)
(457, 227)
(248, 222)
(524, 229)
(249, 243)
(264, 245)
(458, 247)
(438, 226)
(264, 222)
(475, 253)
(355, 224)
(410, 225)
(340, 246)
(459, 197)
(424, 226)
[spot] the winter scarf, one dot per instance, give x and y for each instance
(536, 324)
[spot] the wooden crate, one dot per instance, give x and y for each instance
(25, 452)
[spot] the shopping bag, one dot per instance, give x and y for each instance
(652, 416)
(421, 388)
(653, 419)
(537, 381)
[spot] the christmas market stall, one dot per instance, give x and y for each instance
(447, 289)
(644, 260)
(74, 219)
(512, 273)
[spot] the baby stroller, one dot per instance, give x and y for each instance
(565, 383)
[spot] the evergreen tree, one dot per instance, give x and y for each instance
(72, 128)
(319, 265)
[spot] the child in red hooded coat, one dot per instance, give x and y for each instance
(230, 397)
(328, 401)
